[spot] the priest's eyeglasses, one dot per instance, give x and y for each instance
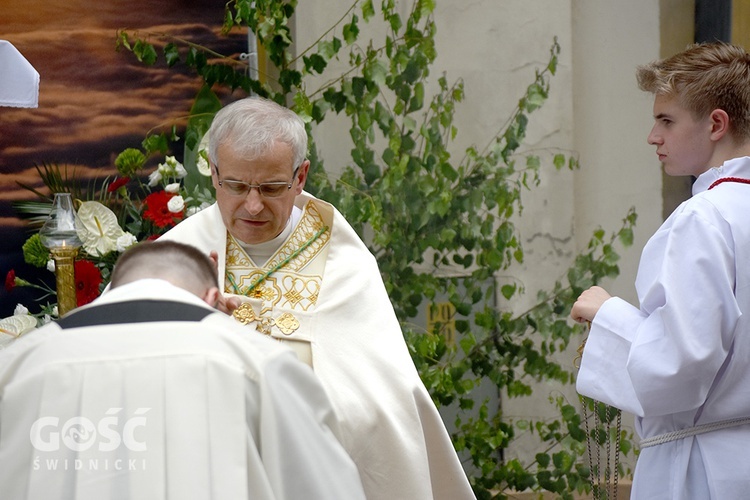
(266, 189)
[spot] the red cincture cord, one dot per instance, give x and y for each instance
(729, 179)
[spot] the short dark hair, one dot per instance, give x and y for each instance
(180, 264)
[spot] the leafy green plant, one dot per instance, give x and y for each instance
(426, 215)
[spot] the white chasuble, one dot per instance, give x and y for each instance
(349, 332)
(279, 297)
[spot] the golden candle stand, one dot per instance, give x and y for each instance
(60, 234)
(64, 258)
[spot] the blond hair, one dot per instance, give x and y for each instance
(705, 77)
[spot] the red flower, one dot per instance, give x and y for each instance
(157, 210)
(118, 184)
(10, 280)
(88, 278)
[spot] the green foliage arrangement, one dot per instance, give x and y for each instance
(426, 215)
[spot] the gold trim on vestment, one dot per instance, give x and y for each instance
(244, 313)
(310, 223)
(287, 323)
(287, 288)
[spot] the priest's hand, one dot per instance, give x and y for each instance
(588, 304)
(224, 304)
(227, 304)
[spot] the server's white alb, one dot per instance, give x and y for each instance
(163, 399)
(683, 358)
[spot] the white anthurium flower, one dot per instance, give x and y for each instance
(16, 325)
(176, 204)
(100, 228)
(172, 188)
(51, 265)
(202, 159)
(125, 241)
(202, 164)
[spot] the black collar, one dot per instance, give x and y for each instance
(134, 311)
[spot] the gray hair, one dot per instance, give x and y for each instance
(252, 125)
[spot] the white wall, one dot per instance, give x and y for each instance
(611, 121)
(496, 48)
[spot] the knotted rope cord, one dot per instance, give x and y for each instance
(692, 431)
(601, 489)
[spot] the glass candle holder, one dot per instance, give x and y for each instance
(60, 234)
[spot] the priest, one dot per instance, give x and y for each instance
(292, 268)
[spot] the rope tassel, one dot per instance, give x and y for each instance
(604, 465)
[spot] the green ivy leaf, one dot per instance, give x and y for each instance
(157, 143)
(171, 54)
(367, 10)
(145, 52)
(559, 161)
(315, 63)
(626, 237)
(351, 31)
(508, 291)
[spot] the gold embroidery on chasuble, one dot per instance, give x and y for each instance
(288, 284)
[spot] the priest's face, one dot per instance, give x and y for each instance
(249, 215)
